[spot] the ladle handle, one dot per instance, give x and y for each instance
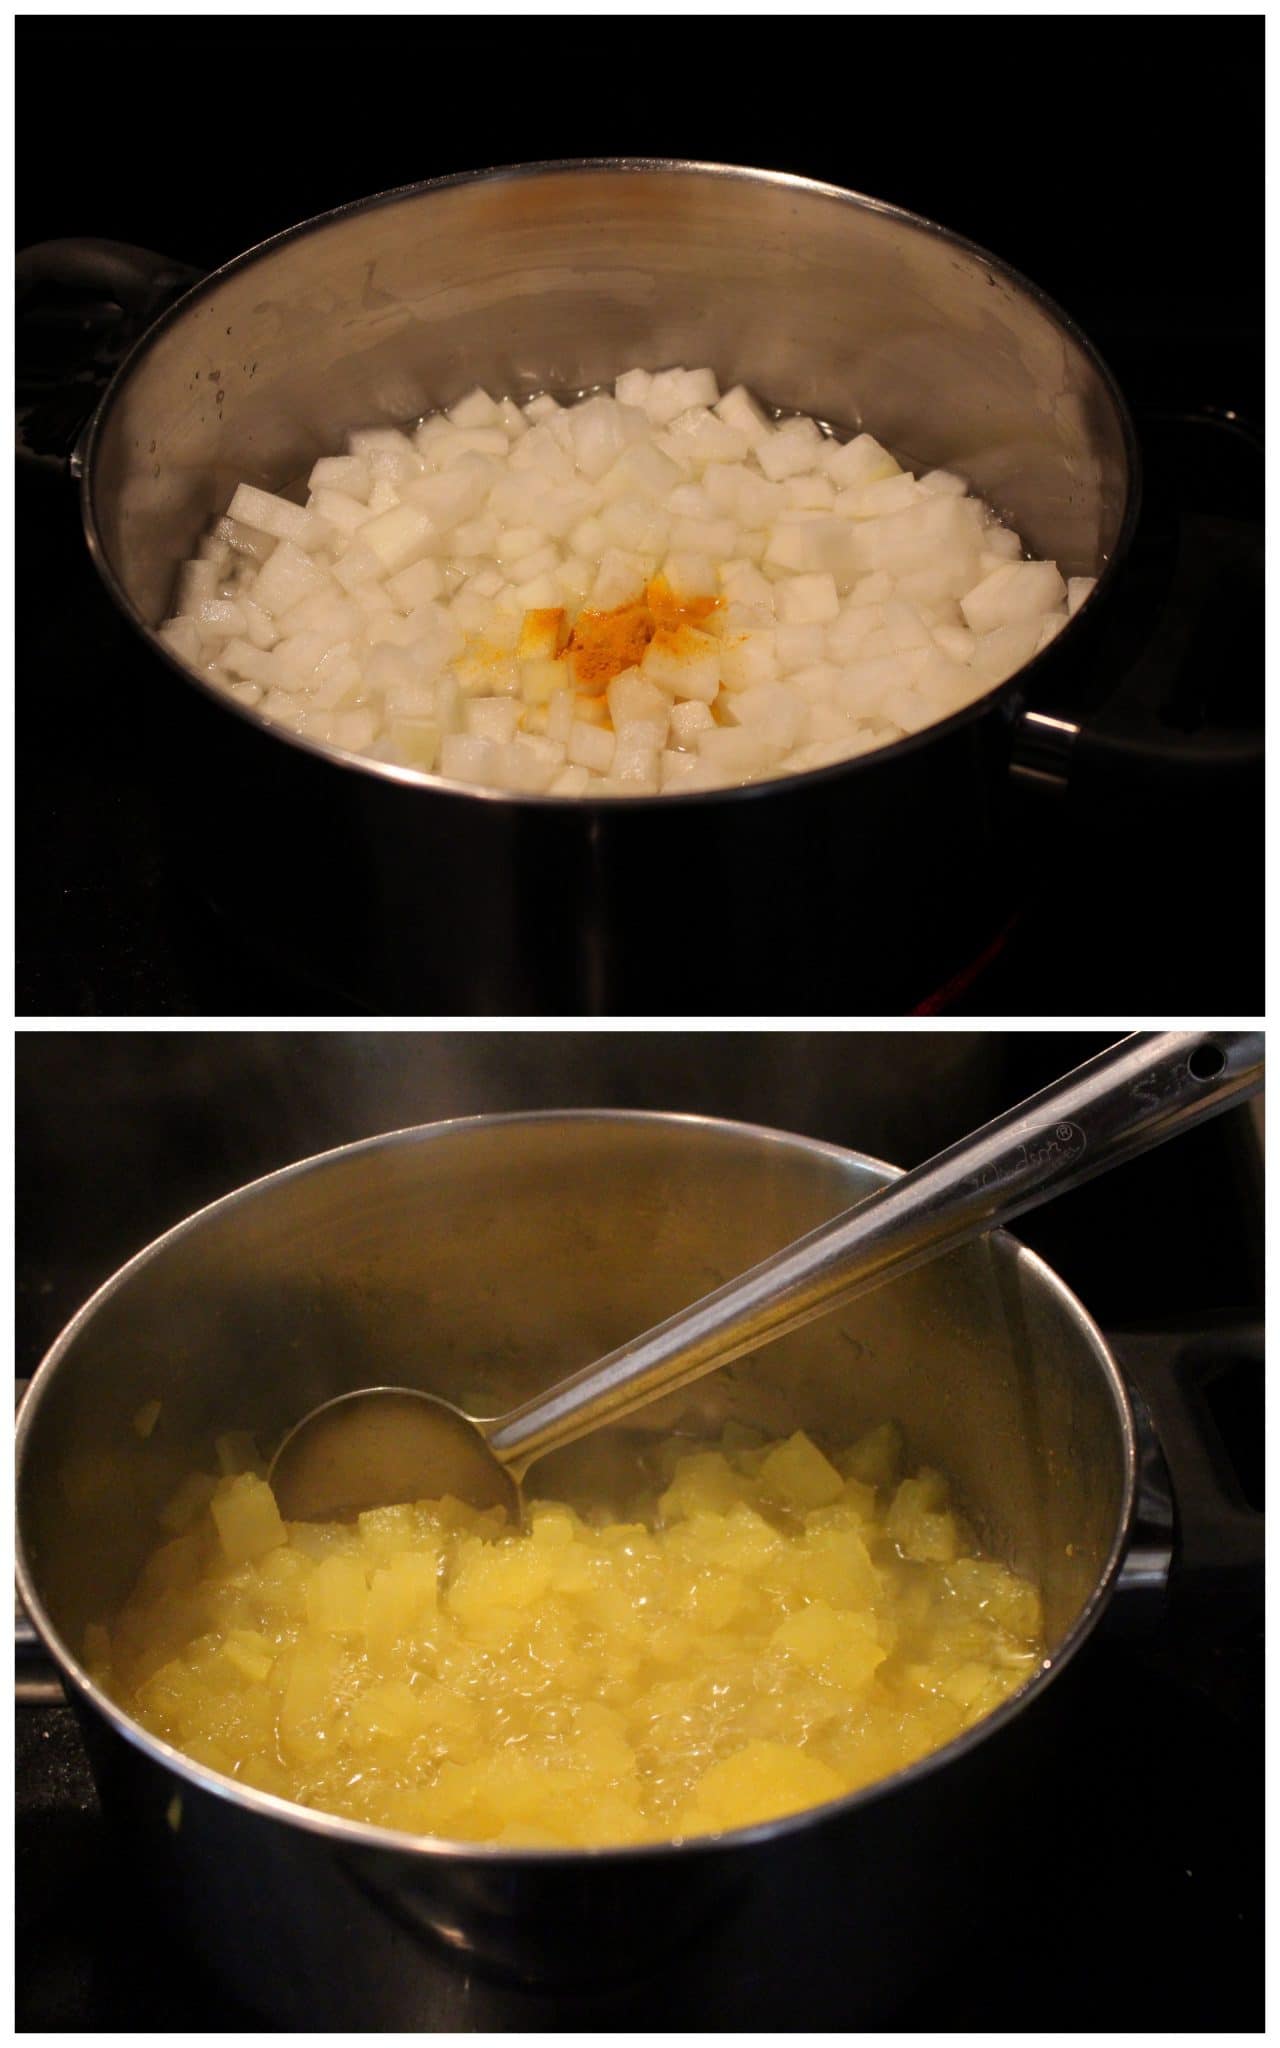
(1149, 1087)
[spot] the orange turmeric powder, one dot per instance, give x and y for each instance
(603, 644)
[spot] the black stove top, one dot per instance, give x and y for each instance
(1130, 1898)
(1146, 898)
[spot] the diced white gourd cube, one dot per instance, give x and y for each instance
(676, 770)
(633, 697)
(632, 387)
(477, 409)
(808, 600)
(702, 438)
(530, 764)
(416, 585)
(180, 637)
(492, 718)
(541, 680)
(514, 544)
(454, 495)
(560, 711)
(852, 464)
(811, 492)
(217, 553)
(773, 711)
(956, 641)
(864, 685)
(539, 593)
(271, 514)
(1015, 591)
(244, 540)
(641, 732)
(197, 585)
(416, 741)
(1003, 544)
(1003, 651)
(464, 758)
(739, 410)
(344, 514)
(590, 746)
(819, 683)
(714, 538)
(737, 752)
(691, 575)
(684, 664)
(1078, 588)
(665, 397)
(847, 635)
(877, 500)
(943, 483)
(788, 450)
(220, 619)
(621, 578)
(570, 781)
(809, 546)
(255, 666)
(601, 431)
(348, 474)
(699, 387)
(398, 537)
(286, 579)
(358, 565)
(798, 645)
(907, 709)
(688, 720)
(742, 583)
(635, 761)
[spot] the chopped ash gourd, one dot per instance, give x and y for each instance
(660, 591)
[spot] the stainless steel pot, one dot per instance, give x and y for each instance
(408, 892)
(481, 1258)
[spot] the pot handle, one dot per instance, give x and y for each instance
(1198, 1550)
(1151, 734)
(80, 306)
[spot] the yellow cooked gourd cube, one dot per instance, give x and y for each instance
(838, 1646)
(314, 1701)
(389, 1712)
(917, 1521)
(338, 1597)
(247, 1518)
(797, 1474)
(876, 1458)
(835, 1565)
(401, 1595)
(250, 1654)
(384, 1531)
(998, 1593)
(760, 1782)
(498, 1575)
(702, 1483)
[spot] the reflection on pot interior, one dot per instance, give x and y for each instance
(657, 591)
(760, 1629)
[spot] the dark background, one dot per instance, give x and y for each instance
(1130, 1896)
(1117, 162)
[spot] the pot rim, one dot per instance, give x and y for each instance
(1007, 695)
(364, 1835)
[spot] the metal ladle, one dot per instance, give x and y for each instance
(381, 1445)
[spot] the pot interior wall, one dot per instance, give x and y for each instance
(558, 279)
(485, 1259)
